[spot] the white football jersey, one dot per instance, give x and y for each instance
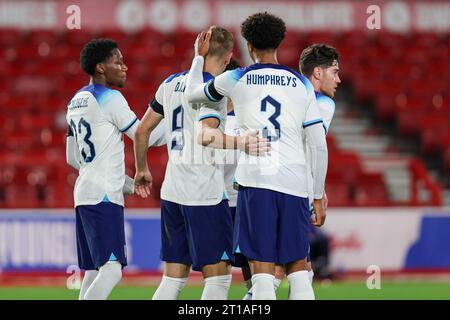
(279, 103)
(194, 174)
(326, 108)
(231, 160)
(98, 117)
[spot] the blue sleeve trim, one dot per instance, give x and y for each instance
(207, 116)
(312, 122)
(325, 128)
(208, 95)
(207, 76)
(128, 126)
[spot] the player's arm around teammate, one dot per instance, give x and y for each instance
(208, 134)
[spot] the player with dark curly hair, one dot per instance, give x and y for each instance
(98, 116)
(263, 31)
(273, 217)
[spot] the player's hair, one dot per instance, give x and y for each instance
(317, 55)
(96, 51)
(232, 65)
(221, 42)
(263, 30)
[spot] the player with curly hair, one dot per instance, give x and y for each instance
(273, 216)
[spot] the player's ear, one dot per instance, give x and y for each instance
(250, 48)
(317, 73)
(228, 57)
(100, 68)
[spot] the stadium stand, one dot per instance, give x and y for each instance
(400, 75)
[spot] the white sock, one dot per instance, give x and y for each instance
(249, 294)
(263, 287)
(216, 288)
(276, 283)
(169, 288)
(108, 276)
(89, 277)
(311, 276)
(300, 286)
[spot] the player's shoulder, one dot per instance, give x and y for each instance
(173, 76)
(102, 94)
(324, 100)
(183, 74)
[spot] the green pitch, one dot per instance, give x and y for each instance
(334, 290)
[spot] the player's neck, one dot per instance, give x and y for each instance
(213, 67)
(266, 56)
(99, 80)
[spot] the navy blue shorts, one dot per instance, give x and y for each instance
(197, 235)
(100, 235)
(271, 226)
(239, 259)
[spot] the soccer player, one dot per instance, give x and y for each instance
(196, 226)
(273, 214)
(320, 64)
(97, 118)
(231, 161)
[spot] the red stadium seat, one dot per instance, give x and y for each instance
(407, 78)
(339, 194)
(345, 165)
(433, 128)
(371, 190)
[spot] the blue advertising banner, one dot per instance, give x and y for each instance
(44, 240)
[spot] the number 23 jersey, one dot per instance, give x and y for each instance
(97, 117)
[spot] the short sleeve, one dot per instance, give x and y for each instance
(157, 103)
(116, 110)
(222, 85)
(326, 108)
(312, 115)
(207, 113)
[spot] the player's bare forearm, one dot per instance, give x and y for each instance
(214, 138)
(250, 144)
(141, 140)
(140, 148)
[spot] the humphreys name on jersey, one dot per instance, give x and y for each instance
(78, 103)
(271, 79)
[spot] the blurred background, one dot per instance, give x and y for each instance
(388, 178)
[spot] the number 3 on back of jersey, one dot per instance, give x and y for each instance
(273, 134)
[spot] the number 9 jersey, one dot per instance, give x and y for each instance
(97, 117)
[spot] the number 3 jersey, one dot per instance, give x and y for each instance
(278, 102)
(194, 174)
(97, 117)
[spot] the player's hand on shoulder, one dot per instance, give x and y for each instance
(143, 183)
(319, 215)
(254, 145)
(201, 45)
